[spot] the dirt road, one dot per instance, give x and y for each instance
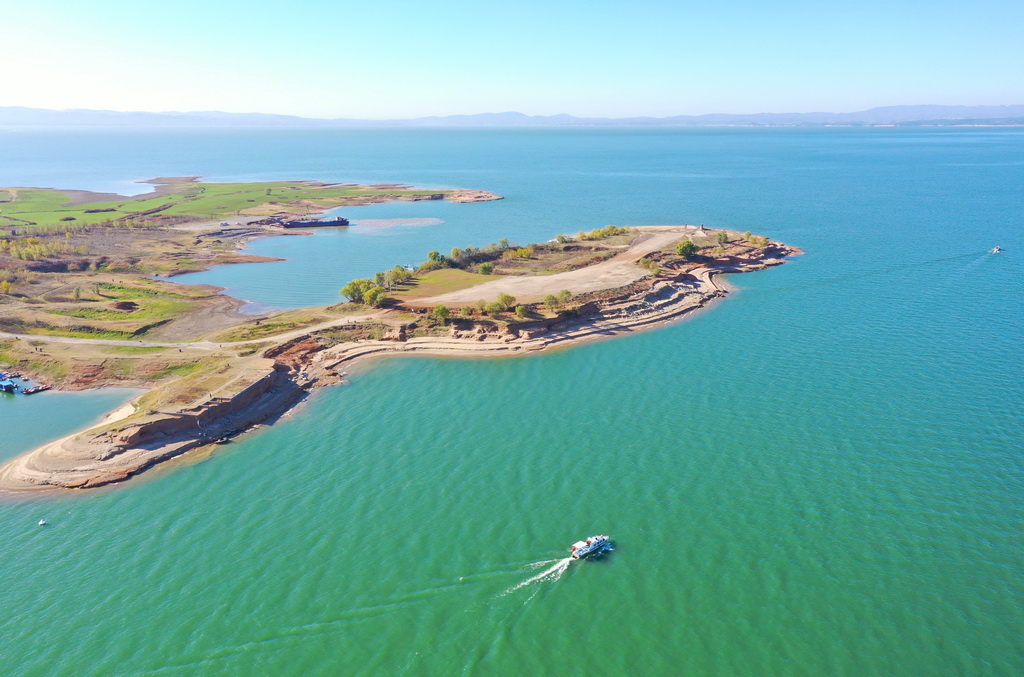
(613, 273)
(200, 345)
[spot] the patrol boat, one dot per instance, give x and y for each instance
(592, 547)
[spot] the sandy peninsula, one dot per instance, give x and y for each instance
(633, 287)
(85, 303)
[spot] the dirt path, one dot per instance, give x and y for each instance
(216, 224)
(613, 273)
(200, 345)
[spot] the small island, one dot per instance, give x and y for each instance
(79, 308)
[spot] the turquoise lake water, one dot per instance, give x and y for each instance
(821, 475)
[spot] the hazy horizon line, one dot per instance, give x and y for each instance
(901, 115)
(510, 112)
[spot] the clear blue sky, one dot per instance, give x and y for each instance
(404, 58)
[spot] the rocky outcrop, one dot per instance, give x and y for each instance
(466, 196)
(113, 453)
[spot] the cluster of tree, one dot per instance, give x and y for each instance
(435, 260)
(468, 257)
(34, 249)
(392, 277)
(552, 301)
(759, 241)
(521, 253)
(601, 233)
(365, 291)
(483, 257)
(374, 291)
(504, 303)
(46, 228)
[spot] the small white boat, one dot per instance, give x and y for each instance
(591, 547)
(42, 523)
(996, 249)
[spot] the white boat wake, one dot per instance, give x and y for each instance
(552, 574)
(543, 562)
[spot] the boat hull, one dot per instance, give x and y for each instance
(595, 546)
(317, 223)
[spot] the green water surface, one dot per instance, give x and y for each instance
(821, 475)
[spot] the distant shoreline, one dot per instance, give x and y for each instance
(907, 115)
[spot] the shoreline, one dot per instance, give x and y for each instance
(270, 384)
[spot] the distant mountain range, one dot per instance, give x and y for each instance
(889, 115)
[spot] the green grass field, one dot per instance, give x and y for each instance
(120, 292)
(147, 309)
(132, 350)
(441, 281)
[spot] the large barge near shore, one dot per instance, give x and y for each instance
(315, 223)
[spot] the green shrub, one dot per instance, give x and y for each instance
(686, 249)
(507, 301)
(355, 289)
(441, 313)
(375, 296)
(428, 266)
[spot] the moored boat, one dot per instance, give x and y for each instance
(315, 223)
(591, 547)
